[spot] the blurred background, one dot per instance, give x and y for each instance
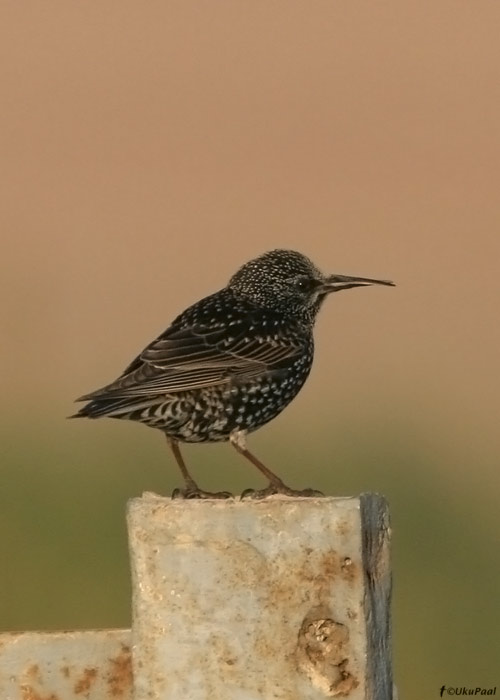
(148, 150)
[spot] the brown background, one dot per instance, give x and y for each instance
(148, 149)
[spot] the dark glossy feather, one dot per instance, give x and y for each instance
(229, 363)
(207, 353)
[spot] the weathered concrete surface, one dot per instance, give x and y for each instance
(256, 600)
(94, 665)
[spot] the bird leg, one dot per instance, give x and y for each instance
(191, 490)
(276, 485)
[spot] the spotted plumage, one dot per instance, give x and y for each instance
(230, 362)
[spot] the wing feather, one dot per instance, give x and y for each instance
(202, 356)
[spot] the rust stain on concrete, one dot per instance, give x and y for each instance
(119, 676)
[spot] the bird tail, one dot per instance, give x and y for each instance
(114, 408)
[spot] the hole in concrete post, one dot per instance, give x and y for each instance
(323, 654)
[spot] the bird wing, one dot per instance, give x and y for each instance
(183, 359)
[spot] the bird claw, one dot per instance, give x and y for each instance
(273, 489)
(309, 493)
(193, 492)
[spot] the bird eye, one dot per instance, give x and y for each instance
(303, 284)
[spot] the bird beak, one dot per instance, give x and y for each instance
(335, 283)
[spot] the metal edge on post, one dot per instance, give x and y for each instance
(376, 539)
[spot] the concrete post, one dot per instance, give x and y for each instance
(252, 600)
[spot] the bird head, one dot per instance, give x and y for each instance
(288, 282)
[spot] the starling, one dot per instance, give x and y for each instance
(228, 364)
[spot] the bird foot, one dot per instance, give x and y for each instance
(191, 492)
(273, 489)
